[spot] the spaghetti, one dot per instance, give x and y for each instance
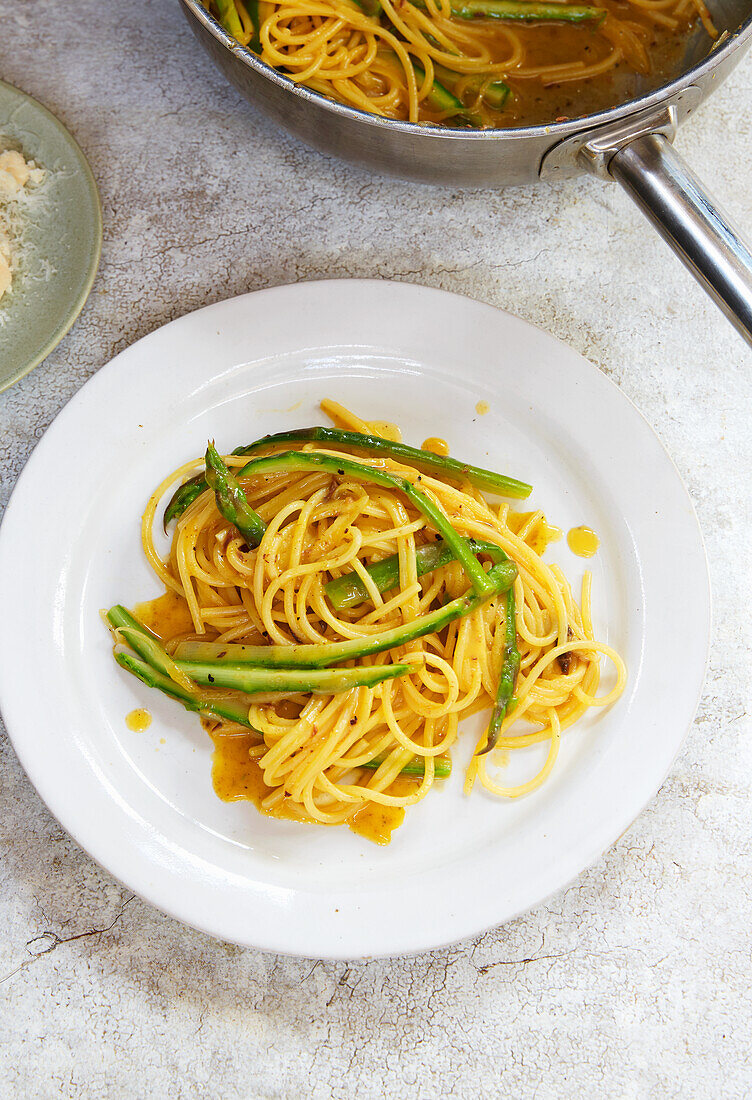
(467, 63)
(333, 662)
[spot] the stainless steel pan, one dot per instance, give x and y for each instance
(630, 143)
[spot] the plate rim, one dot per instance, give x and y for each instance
(468, 927)
(74, 309)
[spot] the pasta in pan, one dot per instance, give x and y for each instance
(469, 63)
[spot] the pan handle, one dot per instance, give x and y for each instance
(675, 201)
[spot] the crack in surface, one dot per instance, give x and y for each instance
(50, 941)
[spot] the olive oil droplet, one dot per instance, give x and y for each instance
(583, 542)
(435, 445)
(138, 720)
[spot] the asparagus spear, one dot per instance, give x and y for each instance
(300, 460)
(285, 681)
(495, 93)
(237, 712)
(146, 644)
(441, 99)
(229, 18)
(509, 670)
(232, 503)
(220, 654)
(528, 11)
(425, 461)
(442, 766)
(199, 704)
(350, 591)
(251, 6)
(243, 677)
(231, 500)
(185, 494)
(183, 497)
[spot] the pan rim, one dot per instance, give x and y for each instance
(558, 130)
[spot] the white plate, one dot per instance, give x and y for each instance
(142, 803)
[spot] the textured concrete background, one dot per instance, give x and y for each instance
(634, 982)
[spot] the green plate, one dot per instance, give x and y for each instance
(60, 239)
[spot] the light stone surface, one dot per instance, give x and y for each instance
(634, 982)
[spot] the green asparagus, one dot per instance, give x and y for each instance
(530, 11)
(442, 766)
(441, 99)
(253, 680)
(231, 500)
(425, 461)
(143, 642)
(186, 493)
(238, 712)
(527, 11)
(510, 668)
(495, 92)
(183, 497)
(252, 7)
(349, 590)
(200, 704)
(332, 653)
(229, 18)
(300, 460)
(244, 678)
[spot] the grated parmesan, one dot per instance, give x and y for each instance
(15, 174)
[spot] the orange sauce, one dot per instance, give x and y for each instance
(482, 408)
(138, 720)
(166, 616)
(540, 537)
(435, 445)
(543, 535)
(377, 823)
(554, 43)
(237, 777)
(386, 430)
(583, 542)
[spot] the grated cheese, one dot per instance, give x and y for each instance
(15, 174)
